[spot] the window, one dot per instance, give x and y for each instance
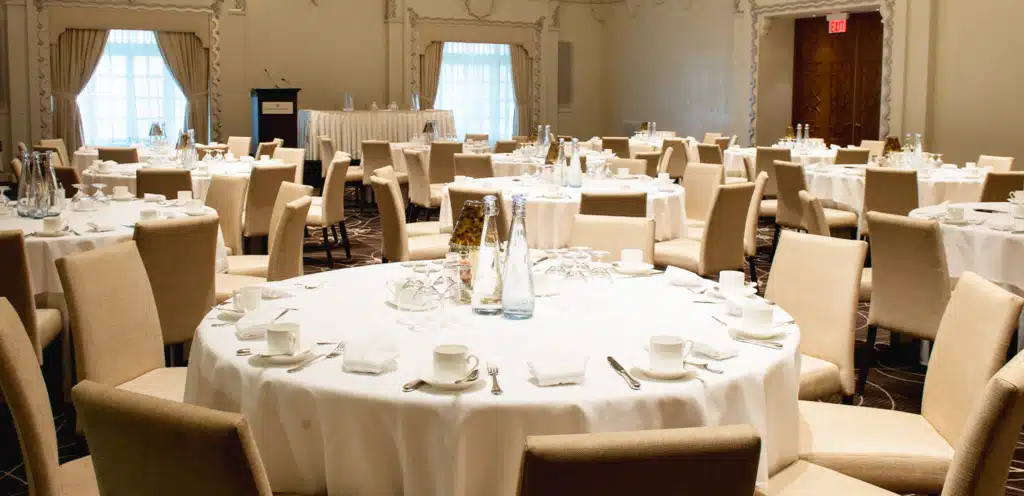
(476, 84)
(130, 89)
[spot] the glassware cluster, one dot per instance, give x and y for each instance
(39, 193)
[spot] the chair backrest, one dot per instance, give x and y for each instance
(998, 185)
(239, 146)
(167, 182)
(822, 302)
(614, 234)
(285, 260)
(753, 214)
(814, 215)
(653, 162)
(327, 149)
(506, 146)
(61, 148)
(376, 154)
(969, 348)
(709, 138)
(333, 206)
(699, 182)
(719, 460)
(636, 166)
(722, 246)
(521, 139)
(266, 149)
(723, 143)
(614, 203)
(790, 180)
(395, 242)
(114, 318)
(264, 182)
(748, 167)
(146, 445)
(477, 137)
(998, 164)
(666, 160)
(459, 194)
(180, 256)
(16, 285)
(853, 156)
(473, 165)
(875, 147)
(617, 144)
(279, 141)
(287, 193)
(67, 177)
(765, 162)
(52, 154)
(226, 195)
(292, 156)
(419, 180)
(680, 156)
(889, 190)
(16, 168)
(709, 154)
(24, 390)
(119, 154)
(442, 161)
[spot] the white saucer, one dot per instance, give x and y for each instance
(955, 222)
(447, 385)
(746, 292)
(123, 198)
(682, 372)
(198, 214)
(51, 234)
(626, 178)
(739, 329)
(286, 359)
(640, 269)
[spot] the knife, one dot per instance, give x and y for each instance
(633, 383)
(413, 385)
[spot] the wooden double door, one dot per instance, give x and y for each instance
(837, 78)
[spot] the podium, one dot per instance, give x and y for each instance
(275, 114)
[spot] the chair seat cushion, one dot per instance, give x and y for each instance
(77, 478)
(166, 382)
(695, 233)
(248, 265)
(416, 229)
(898, 451)
(226, 284)
(768, 208)
(804, 479)
(430, 247)
(354, 174)
(683, 253)
(402, 177)
(735, 180)
(840, 218)
(865, 285)
(819, 379)
(49, 324)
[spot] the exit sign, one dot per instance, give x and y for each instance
(837, 26)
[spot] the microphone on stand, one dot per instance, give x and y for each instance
(269, 77)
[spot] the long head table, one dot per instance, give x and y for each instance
(350, 127)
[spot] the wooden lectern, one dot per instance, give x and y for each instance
(275, 114)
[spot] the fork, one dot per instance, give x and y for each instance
(492, 370)
(336, 352)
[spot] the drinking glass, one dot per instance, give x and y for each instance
(98, 195)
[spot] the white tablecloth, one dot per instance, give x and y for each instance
(549, 220)
(325, 431)
(43, 252)
(350, 128)
(994, 255)
(505, 164)
(124, 175)
(84, 157)
(733, 158)
(846, 185)
(638, 145)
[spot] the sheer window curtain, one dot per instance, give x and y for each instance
(476, 85)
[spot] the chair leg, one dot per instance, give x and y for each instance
(344, 240)
(334, 231)
(775, 240)
(846, 399)
(53, 370)
(752, 268)
(327, 248)
(865, 365)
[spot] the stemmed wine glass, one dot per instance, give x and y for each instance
(98, 195)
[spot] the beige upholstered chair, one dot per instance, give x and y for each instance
(699, 182)
(704, 460)
(724, 142)
(42, 324)
(889, 191)
(167, 182)
(423, 195)
(506, 146)
(750, 232)
(413, 229)
(278, 141)
(473, 165)
(680, 156)
(115, 322)
(67, 177)
(709, 154)
(460, 194)
(330, 213)
(184, 292)
(239, 146)
(292, 156)
(61, 149)
(721, 247)
(790, 213)
(119, 154)
(618, 145)
(765, 162)
(875, 148)
(327, 150)
(142, 445)
(442, 162)
(26, 396)
(52, 153)
(909, 453)
(998, 185)
(614, 203)
(666, 160)
(998, 164)
(614, 234)
(226, 195)
(377, 154)
(264, 182)
(816, 223)
(770, 206)
(909, 282)
(636, 166)
(709, 138)
(259, 265)
(477, 137)
(397, 245)
(852, 156)
(16, 168)
(653, 162)
(266, 149)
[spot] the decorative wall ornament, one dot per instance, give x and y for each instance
(556, 14)
(736, 9)
(479, 9)
(238, 7)
(391, 11)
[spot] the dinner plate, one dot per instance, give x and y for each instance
(683, 372)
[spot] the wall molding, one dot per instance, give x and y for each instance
(472, 5)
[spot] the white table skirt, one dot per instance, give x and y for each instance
(84, 157)
(639, 145)
(549, 220)
(350, 128)
(325, 431)
(848, 187)
(504, 163)
(124, 175)
(733, 158)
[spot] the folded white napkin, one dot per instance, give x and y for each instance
(152, 197)
(100, 226)
(253, 325)
(552, 370)
(369, 358)
(718, 351)
(682, 277)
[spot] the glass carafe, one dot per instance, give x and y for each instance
(28, 183)
(52, 190)
(517, 296)
(575, 168)
(487, 276)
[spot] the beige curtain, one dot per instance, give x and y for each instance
(72, 61)
(188, 61)
(522, 82)
(430, 73)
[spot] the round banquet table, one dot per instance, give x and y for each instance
(733, 158)
(980, 248)
(43, 252)
(326, 431)
(124, 174)
(639, 145)
(549, 220)
(85, 156)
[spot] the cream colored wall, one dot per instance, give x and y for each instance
(587, 115)
(775, 76)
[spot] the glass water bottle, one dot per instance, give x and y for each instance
(517, 296)
(487, 276)
(575, 168)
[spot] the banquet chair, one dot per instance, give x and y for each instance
(239, 146)
(279, 141)
(119, 154)
(184, 292)
(790, 181)
(765, 162)
(60, 147)
(750, 234)
(911, 453)
(981, 459)
(680, 157)
(709, 138)
(998, 164)
(16, 168)
(998, 186)
(226, 195)
(720, 460)
(397, 245)
(709, 154)
(721, 246)
(265, 149)
(618, 145)
(521, 139)
(25, 394)
(724, 142)
(699, 183)
(441, 169)
(264, 182)
(330, 213)
(875, 148)
(666, 160)
(614, 203)
(54, 155)
(816, 223)
(424, 196)
(115, 322)
(506, 146)
(460, 194)
(477, 137)
(653, 162)
(328, 153)
(67, 177)
(416, 228)
(890, 191)
(853, 156)
(636, 166)
(259, 265)
(167, 182)
(768, 206)
(614, 234)
(292, 156)
(473, 165)
(377, 154)
(909, 281)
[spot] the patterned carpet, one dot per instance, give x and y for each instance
(895, 382)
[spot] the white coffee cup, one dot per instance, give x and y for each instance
(184, 196)
(730, 281)
(247, 299)
(121, 191)
(757, 314)
(668, 353)
(954, 212)
(1017, 197)
(622, 171)
(53, 224)
(149, 214)
(452, 362)
(1017, 211)
(970, 165)
(264, 158)
(283, 338)
(194, 206)
(631, 257)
